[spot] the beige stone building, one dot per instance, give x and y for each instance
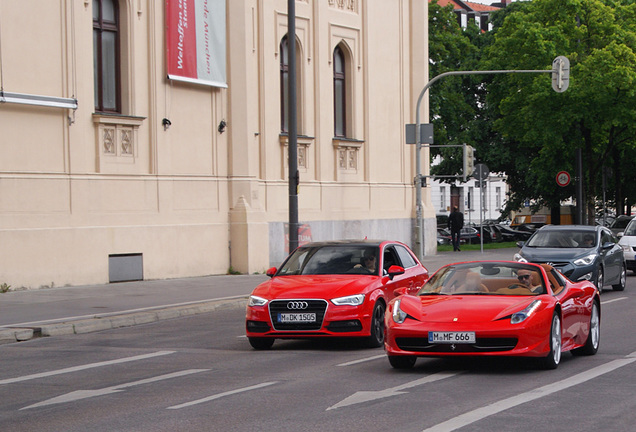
(110, 170)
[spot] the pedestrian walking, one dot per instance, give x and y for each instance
(455, 224)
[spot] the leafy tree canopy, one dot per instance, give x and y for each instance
(517, 123)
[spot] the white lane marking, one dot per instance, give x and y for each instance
(128, 311)
(362, 360)
(613, 300)
(83, 367)
(220, 395)
(85, 394)
(497, 407)
(367, 396)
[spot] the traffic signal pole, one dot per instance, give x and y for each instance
(560, 79)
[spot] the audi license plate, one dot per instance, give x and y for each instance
(451, 337)
(296, 317)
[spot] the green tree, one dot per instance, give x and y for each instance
(454, 101)
(540, 129)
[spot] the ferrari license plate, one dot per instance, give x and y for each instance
(296, 317)
(451, 337)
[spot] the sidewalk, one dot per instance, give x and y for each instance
(84, 309)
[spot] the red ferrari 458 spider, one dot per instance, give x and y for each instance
(338, 288)
(494, 308)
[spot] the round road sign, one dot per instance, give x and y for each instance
(563, 178)
(481, 172)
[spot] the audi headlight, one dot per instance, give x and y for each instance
(256, 301)
(523, 315)
(586, 260)
(520, 258)
(398, 314)
(353, 300)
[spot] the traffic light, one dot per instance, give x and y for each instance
(560, 74)
(469, 161)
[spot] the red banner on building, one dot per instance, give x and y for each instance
(195, 41)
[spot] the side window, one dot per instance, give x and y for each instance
(556, 281)
(407, 260)
(389, 258)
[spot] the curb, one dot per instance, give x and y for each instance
(100, 323)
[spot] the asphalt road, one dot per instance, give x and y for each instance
(199, 373)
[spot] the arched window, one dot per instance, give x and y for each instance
(284, 86)
(106, 56)
(339, 93)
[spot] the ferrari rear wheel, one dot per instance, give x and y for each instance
(402, 362)
(261, 343)
(594, 337)
(376, 339)
(554, 356)
(620, 286)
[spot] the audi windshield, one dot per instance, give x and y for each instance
(331, 259)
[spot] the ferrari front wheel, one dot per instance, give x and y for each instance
(594, 336)
(554, 356)
(402, 362)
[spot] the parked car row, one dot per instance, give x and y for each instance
(491, 232)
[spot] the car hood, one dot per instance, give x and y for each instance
(463, 308)
(540, 254)
(627, 240)
(315, 286)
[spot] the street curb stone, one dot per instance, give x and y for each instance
(100, 323)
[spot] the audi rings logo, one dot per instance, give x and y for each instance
(297, 305)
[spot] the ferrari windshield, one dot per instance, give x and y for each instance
(332, 259)
(485, 278)
(563, 239)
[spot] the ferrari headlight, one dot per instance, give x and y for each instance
(520, 258)
(398, 314)
(521, 316)
(586, 260)
(256, 301)
(353, 300)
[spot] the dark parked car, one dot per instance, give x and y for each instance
(443, 236)
(487, 231)
(470, 235)
(620, 223)
(580, 252)
(512, 234)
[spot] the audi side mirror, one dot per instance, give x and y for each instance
(271, 271)
(394, 271)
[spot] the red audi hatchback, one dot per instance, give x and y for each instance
(336, 288)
